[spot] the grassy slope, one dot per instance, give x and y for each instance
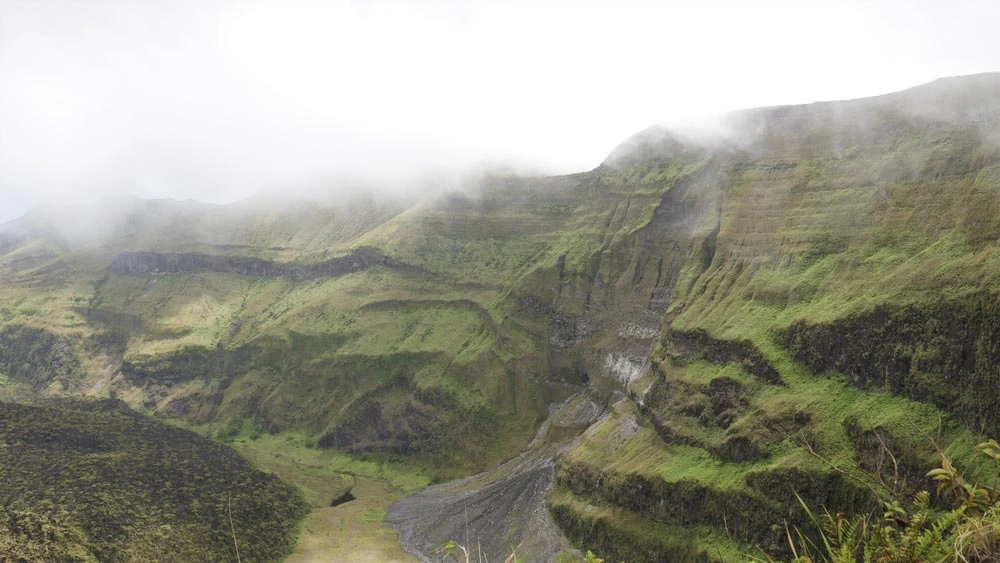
(96, 481)
(354, 531)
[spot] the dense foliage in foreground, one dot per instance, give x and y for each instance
(96, 481)
(961, 524)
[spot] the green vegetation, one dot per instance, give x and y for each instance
(96, 481)
(621, 536)
(839, 270)
(354, 531)
(774, 306)
(921, 530)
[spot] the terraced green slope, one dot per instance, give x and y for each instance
(802, 278)
(845, 305)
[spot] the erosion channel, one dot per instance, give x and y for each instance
(501, 510)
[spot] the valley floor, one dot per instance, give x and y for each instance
(353, 532)
(497, 509)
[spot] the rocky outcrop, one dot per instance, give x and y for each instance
(747, 514)
(616, 535)
(683, 503)
(401, 419)
(346, 497)
(900, 465)
(947, 354)
(156, 263)
(186, 364)
(698, 345)
(38, 358)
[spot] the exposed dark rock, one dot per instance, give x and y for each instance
(901, 467)
(946, 354)
(727, 399)
(830, 490)
(615, 541)
(38, 357)
(186, 364)
(697, 344)
(739, 449)
(684, 503)
(346, 497)
(154, 263)
(748, 515)
(399, 418)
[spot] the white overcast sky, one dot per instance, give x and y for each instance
(215, 100)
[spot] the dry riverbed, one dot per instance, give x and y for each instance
(499, 510)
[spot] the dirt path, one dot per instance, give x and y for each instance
(354, 532)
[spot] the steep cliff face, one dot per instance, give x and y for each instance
(38, 359)
(853, 248)
(944, 354)
(757, 300)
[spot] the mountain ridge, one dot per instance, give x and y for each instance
(692, 287)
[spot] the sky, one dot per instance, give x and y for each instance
(216, 99)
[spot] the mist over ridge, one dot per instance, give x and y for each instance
(218, 100)
(850, 124)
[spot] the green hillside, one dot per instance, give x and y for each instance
(844, 300)
(755, 303)
(96, 481)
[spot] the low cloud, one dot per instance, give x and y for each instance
(218, 100)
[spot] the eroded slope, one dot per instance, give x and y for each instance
(855, 249)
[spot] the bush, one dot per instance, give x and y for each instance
(967, 529)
